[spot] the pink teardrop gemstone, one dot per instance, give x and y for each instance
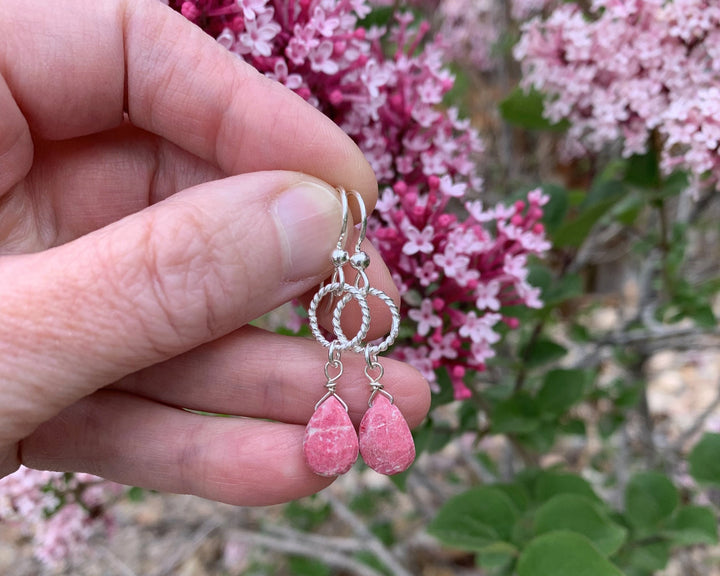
(386, 444)
(330, 444)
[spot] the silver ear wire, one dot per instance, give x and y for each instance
(340, 256)
(360, 260)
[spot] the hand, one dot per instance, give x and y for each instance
(156, 195)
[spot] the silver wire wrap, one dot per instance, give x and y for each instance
(333, 362)
(346, 344)
(371, 363)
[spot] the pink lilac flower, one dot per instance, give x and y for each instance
(425, 317)
(418, 241)
(59, 511)
(447, 266)
(524, 9)
(487, 295)
(629, 70)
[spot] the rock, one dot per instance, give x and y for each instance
(330, 444)
(386, 444)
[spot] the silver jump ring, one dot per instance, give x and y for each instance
(350, 293)
(356, 346)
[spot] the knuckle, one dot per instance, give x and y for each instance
(179, 284)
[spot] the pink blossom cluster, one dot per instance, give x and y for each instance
(470, 31)
(521, 10)
(59, 511)
(424, 155)
(457, 274)
(630, 69)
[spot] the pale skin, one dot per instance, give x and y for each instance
(142, 175)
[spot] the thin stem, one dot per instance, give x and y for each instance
(372, 543)
(297, 544)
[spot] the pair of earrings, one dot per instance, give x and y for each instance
(331, 444)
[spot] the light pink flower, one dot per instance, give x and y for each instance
(425, 317)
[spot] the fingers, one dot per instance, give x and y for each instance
(264, 375)
(156, 284)
(15, 144)
(139, 442)
(142, 441)
(173, 80)
(92, 181)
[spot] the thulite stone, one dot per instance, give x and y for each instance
(330, 444)
(386, 444)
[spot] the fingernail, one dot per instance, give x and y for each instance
(309, 218)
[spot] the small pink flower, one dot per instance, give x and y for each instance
(487, 295)
(259, 35)
(480, 329)
(452, 263)
(427, 273)
(418, 241)
(515, 266)
(425, 317)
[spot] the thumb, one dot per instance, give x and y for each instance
(155, 284)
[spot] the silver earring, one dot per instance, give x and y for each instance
(385, 441)
(330, 444)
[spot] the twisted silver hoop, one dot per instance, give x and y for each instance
(356, 345)
(342, 343)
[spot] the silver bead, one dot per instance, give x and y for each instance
(360, 260)
(339, 257)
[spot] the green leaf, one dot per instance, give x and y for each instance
(440, 436)
(475, 519)
(540, 276)
(606, 189)
(496, 555)
(135, 494)
(446, 393)
(694, 525)
(601, 198)
(517, 415)
(555, 210)
(517, 493)
(582, 515)
(307, 513)
(705, 459)
(564, 554)
(649, 558)
(525, 109)
(574, 427)
(610, 423)
(562, 289)
(302, 566)
(560, 390)
(643, 170)
(542, 439)
(369, 559)
(551, 483)
(650, 498)
(543, 351)
(703, 315)
(627, 393)
(628, 209)
(400, 479)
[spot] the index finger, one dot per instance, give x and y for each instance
(75, 67)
